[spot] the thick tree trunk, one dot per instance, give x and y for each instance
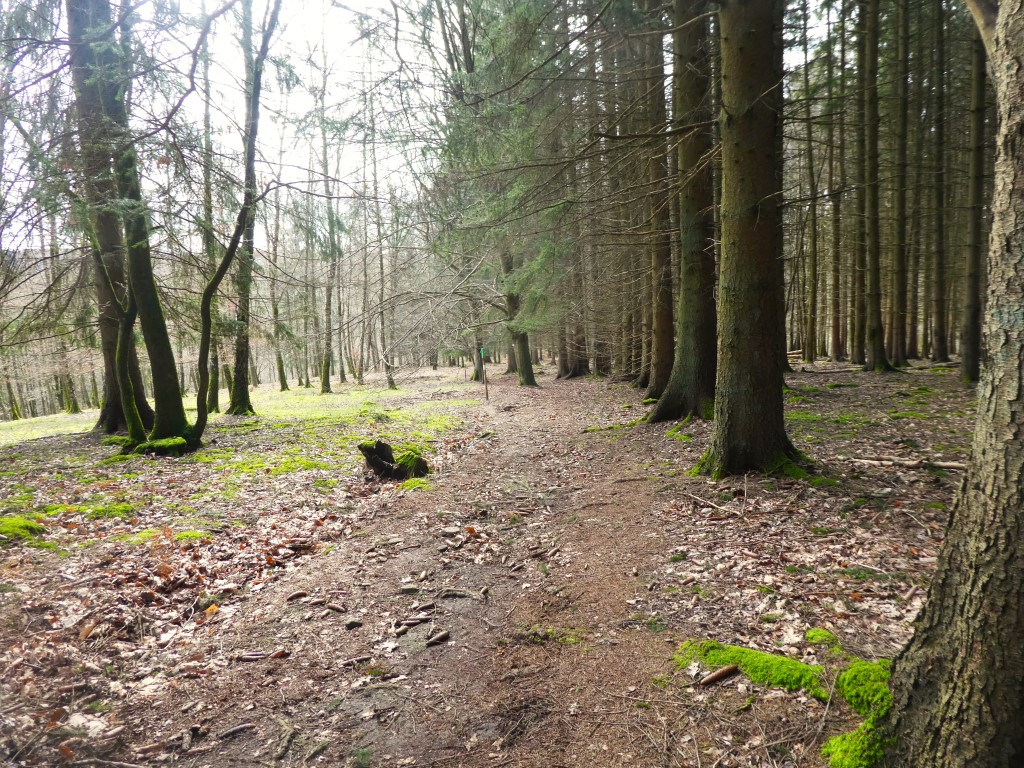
(957, 685)
(749, 432)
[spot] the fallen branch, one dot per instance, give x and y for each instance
(890, 461)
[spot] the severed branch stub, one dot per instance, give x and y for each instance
(381, 458)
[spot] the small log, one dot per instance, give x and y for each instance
(891, 461)
(720, 674)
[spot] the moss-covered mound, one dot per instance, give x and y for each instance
(762, 668)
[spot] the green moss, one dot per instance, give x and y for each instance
(191, 535)
(412, 462)
(650, 400)
(865, 686)
(818, 636)
(415, 483)
(823, 482)
(907, 415)
(20, 528)
(117, 458)
(676, 433)
(762, 668)
(115, 511)
(119, 440)
(297, 464)
(141, 537)
(168, 446)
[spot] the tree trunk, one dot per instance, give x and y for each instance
(691, 386)
(898, 347)
(662, 346)
(875, 344)
(970, 344)
(241, 403)
(940, 346)
(749, 432)
(957, 685)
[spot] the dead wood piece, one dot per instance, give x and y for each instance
(453, 594)
(297, 595)
(439, 638)
(235, 730)
(316, 751)
(285, 742)
(892, 461)
(720, 674)
(355, 660)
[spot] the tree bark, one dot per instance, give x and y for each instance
(749, 432)
(875, 344)
(970, 338)
(691, 387)
(957, 685)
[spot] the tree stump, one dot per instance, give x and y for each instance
(381, 458)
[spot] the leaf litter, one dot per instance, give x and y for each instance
(522, 609)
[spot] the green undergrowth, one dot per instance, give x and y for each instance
(864, 685)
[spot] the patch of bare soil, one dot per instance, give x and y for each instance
(524, 610)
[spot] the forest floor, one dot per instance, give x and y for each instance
(242, 606)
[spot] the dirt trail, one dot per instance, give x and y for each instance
(564, 567)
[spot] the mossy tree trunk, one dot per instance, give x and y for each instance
(749, 432)
(957, 685)
(93, 65)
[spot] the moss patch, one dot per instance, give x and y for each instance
(865, 687)
(116, 511)
(818, 636)
(676, 433)
(415, 484)
(20, 528)
(762, 668)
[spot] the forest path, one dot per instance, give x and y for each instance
(564, 552)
